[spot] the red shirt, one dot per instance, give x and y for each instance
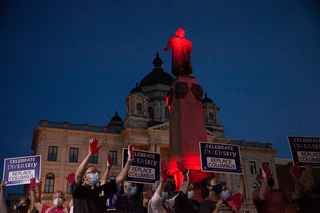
(55, 209)
(274, 203)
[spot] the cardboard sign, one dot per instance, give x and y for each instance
(145, 167)
(305, 150)
(17, 171)
(224, 158)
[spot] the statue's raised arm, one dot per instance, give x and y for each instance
(181, 49)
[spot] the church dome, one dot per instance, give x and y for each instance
(157, 76)
(115, 121)
(137, 90)
(207, 100)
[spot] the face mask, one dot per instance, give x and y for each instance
(225, 194)
(58, 202)
(173, 186)
(22, 208)
(271, 182)
(133, 190)
(217, 188)
(190, 195)
(94, 178)
(165, 195)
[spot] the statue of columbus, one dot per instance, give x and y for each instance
(181, 49)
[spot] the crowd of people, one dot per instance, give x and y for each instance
(90, 192)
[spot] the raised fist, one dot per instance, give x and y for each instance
(130, 152)
(109, 161)
(32, 183)
(266, 172)
(70, 178)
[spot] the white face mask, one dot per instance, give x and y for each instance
(190, 195)
(58, 202)
(225, 194)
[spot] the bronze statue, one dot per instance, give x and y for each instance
(181, 49)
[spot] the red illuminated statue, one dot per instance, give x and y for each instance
(181, 49)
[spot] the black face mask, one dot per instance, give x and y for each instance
(22, 208)
(173, 186)
(271, 182)
(217, 188)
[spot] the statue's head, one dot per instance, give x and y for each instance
(180, 32)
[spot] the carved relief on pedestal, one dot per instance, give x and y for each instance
(181, 89)
(197, 90)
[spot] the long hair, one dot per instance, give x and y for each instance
(203, 184)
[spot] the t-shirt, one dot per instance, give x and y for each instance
(49, 209)
(310, 203)
(91, 200)
(182, 204)
(208, 206)
(275, 202)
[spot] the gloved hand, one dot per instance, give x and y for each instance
(181, 167)
(295, 170)
(190, 176)
(109, 161)
(237, 200)
(130, 152)
(32, 183)
(93, 146)
(70, 178)
(266, 172)
(164, 170)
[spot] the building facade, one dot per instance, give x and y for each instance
(63, 146)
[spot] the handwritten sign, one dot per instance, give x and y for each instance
(223, 158)
(17, 171)
(145, 167)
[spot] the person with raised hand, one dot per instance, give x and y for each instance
(267, 199)
(159, 202)
(58, 200)
(85, 190)
(184, 202)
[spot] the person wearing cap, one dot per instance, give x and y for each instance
(266, 199)
(87, 196)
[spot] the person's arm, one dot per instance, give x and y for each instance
(93, 149)
(71, 203)
(106, 174)
(242, 185)
(262, 195)
(34, 200)
(218, 205)
(39, 184)
(3, 206)
(295, 171)
(308, 183)
(123, 174)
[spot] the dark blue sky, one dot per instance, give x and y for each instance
(76, 62)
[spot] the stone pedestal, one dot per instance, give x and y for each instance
(187, 126)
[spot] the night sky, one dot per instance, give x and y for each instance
(76, 62)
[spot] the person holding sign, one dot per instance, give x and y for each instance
(58, 200)
(210, 192)
(159, 202)
(267, 199)
(236, 200)
(87, 196)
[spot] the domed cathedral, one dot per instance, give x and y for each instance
(63, 145)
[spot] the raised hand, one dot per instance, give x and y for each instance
(266, 172)
(109, 161)
(70, 178)
(180, 166)
(164, 170)
(237, 200)
(295, 170)
(130, 152)
(190, 176)
(3, 185)
(93, 146)
(32, 183)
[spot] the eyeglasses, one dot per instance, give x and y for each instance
(92, 172)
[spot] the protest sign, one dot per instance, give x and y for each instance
(20, 170)
(305, 150)
(223, 158)
(109, 204)
(145, 167)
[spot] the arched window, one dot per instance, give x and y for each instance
(48, 188)
(150, 110)
(166, 112)
(210, 116)
(139, 107)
